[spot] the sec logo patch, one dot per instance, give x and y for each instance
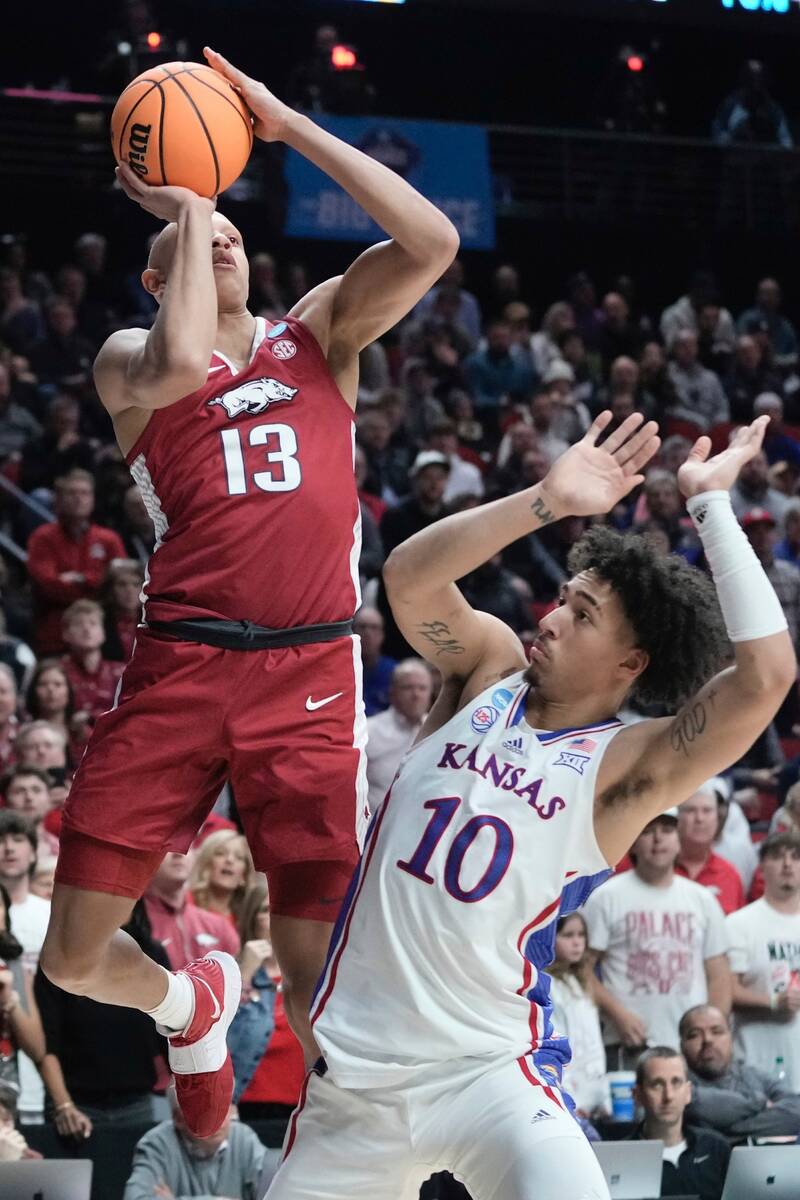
(284, 349)
(484, 718)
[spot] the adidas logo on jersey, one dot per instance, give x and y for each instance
(514, 745)
(254, 397)
(542, 1115)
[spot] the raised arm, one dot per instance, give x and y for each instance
(655, 764)
(140, 369)
(387, 280)
(420, 574)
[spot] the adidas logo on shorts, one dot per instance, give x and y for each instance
(542, 1115)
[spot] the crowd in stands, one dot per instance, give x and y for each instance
(691, 949)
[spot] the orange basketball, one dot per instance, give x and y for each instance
(182, 123)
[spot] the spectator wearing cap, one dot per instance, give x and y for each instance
(184, 930)
(759, 525)
(749, 376)
(752, 490)
(734, 1098)
(391, 733)
(788, 549)
(497, 372)
(767, 310)
(699, 394)
(429, 474)
(695, 1160)
(660, 943)
(377, 668)
(764, 955)
(68, 558)
(698, 823)
(571, 417)
(464, 478)
(778, 446)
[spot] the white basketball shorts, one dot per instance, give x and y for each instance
(501, 1128)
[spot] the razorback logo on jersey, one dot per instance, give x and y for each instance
(254, 396)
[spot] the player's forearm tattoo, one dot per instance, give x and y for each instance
(439, 635)
(689, 725)
(540, 510)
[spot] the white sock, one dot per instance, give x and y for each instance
(176, 1010)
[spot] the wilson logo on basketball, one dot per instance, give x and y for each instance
(137, 148)
(254, 397)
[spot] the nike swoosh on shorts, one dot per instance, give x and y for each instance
(311, 705)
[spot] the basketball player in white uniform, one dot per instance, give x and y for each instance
(433, 1013)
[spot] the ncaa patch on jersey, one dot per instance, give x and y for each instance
(502, 698)
(278, 329)
(284, 349)
(483, 718)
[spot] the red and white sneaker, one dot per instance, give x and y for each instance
(199, 1056)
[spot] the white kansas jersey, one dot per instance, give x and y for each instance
(485, 838)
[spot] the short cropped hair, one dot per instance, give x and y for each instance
(656, 1052)
(671, 606)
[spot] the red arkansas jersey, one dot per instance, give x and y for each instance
(249, 482)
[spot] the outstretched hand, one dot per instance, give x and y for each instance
(703, 474)
(269, 113)
(590, 479)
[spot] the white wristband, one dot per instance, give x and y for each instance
(747, 598)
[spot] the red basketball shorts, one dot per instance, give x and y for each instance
(286, 727)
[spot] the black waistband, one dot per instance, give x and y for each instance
(245, 635)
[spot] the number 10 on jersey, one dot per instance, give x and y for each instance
(281, 443)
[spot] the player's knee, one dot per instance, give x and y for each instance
(71, 967)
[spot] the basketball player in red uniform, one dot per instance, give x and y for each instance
(240, 436)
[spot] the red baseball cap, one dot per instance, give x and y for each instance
(757, 516)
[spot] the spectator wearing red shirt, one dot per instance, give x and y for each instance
(93, 678)
(268, 1059)
(68, 558)
(185, 931)
(698, 822)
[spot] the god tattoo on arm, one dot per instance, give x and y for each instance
(439, 635)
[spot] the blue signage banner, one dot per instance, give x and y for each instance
(447, 163)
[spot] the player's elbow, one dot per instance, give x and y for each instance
(396, 574)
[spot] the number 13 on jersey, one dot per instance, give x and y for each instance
(280, 441)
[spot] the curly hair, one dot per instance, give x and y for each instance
(671, 606)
